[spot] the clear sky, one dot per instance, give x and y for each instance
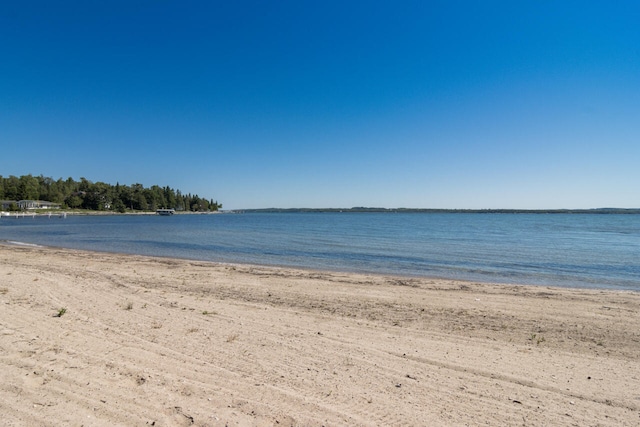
(425, 104)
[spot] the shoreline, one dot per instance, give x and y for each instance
(145, 340)
(329, 271)
(484, 256)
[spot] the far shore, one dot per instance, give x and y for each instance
(594, 211)
(109, 339)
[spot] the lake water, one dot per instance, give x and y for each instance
(580, 250)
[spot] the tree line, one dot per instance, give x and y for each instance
(84, 194)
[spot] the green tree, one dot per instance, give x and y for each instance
(170, 198)
(11, 188)
(125, 195)
(44, 185)
(84, 185)
(70, 186)
(73, 201)
(118, 206)
(29, 188)
(180, 206)
(140, 202)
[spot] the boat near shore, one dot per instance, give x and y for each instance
(165, 212)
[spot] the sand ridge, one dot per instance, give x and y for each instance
(154, 341)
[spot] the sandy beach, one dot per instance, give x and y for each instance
(99, 339)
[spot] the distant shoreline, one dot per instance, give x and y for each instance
(599, 211)
(594, 211)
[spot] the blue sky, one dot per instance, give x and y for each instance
(427, 104)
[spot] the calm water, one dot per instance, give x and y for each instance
(593, 251)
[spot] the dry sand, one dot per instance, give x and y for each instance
(164, 342)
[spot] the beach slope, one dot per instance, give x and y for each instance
(100, 339)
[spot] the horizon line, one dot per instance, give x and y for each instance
(368, 208)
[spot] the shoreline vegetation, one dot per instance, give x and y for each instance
(28, 193)
(87, 212)
(137, 340)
